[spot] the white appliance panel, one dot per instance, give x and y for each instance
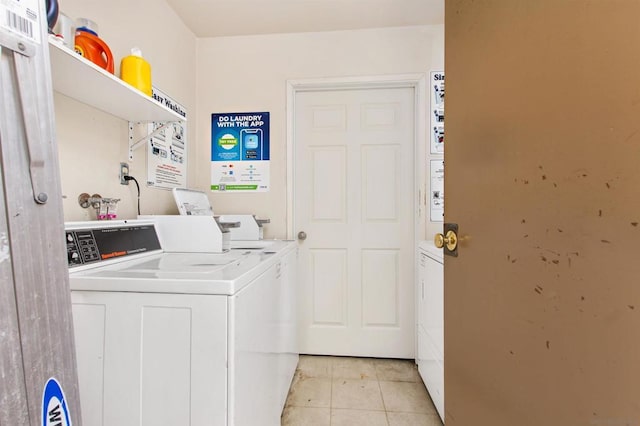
(288, 323)
(263, 353)
(151, 359)
(430, 318)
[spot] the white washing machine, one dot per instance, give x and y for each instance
(430, 319)
(176, 338)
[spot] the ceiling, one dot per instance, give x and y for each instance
(216, 18)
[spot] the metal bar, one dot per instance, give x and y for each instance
(135, 145)
(27, 90)
(13, 392)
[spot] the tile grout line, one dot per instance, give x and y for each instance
(331, 391)
(384, 406)
(386, 414)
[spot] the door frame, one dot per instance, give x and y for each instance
(416, 81)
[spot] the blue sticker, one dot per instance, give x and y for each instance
(54, 405)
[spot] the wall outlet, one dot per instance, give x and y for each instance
(124, 171)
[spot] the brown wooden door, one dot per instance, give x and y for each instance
(542, 307)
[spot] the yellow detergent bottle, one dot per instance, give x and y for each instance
(136, 71)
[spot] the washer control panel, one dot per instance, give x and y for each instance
(87, 246)
(81, 248)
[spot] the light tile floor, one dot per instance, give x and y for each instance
(336, 391)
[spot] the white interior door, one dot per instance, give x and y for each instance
(353, 198)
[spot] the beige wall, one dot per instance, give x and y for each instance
(92, 143)
(238, 74)
(215, 75)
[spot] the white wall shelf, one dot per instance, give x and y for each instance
(86, 82)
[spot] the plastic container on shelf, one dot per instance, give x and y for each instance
(136, 71)
(84, 24)
(65, 29)
(92, 47)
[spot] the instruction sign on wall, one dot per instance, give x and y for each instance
(240, 152)
(167, 150)
(437, 191)
(437, 112)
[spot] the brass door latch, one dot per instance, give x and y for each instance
(449, 240)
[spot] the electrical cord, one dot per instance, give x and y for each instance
(137, 186)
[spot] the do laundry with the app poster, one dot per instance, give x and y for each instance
(240, 152)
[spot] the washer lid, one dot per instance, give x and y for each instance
(192, 203)
(182, 273)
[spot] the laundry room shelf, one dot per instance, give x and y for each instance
(86, 82)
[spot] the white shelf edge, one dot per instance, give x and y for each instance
(84, 81)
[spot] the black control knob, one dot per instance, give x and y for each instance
(73, 257)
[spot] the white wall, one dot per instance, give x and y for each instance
(92, 143)
(231, 74)
(238, 74)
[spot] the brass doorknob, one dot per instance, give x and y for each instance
(450, 240)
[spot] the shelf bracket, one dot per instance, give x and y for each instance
(135, 144)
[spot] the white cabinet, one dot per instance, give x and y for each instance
(430, 318)
(151, 358)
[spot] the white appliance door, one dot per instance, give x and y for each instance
(151, 359)
(354, 183)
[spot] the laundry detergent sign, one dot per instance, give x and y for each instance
(54, 405)
(240, 152)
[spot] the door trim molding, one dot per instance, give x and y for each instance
(416, 81)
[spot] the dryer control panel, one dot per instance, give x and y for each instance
(87, 246)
